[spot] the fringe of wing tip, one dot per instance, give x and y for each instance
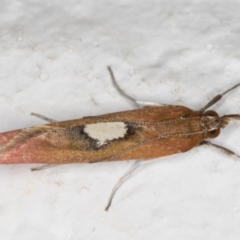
(25, 135)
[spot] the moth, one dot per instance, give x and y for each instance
(153, 130)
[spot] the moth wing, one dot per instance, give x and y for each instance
(150, 114)
(68, 142)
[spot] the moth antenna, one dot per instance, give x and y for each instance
(120, 182)
(217, 98)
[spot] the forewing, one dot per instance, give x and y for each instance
(131, 134)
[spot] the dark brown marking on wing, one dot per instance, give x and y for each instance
(82, 140)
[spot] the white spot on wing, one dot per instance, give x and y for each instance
(103, 132)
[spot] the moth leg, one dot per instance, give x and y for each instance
(43, 117)
(136, 102)
(124, 178)
(120, 182)
(150, 104)
(217, 98)
(44, 167)
(223, 149)
(119, 89)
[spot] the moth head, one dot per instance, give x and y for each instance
(213, 123)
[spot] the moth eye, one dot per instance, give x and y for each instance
(210, 113)
(213, 134)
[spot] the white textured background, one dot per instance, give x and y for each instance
(53, 58)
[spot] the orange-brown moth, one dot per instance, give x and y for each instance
(153, 131)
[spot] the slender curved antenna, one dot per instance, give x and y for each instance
(217, 98)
